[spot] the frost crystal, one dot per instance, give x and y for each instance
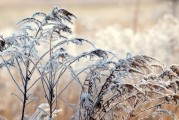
(85, 100)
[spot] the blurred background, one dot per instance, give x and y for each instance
(134, 26)
(118, 25)
(148, 27)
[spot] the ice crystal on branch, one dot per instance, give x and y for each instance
(128, 87)
(111, 87)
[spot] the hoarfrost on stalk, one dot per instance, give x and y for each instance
(86, 100)
(77, 41)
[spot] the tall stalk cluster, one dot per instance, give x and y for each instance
(137, 87)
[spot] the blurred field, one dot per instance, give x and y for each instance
(109, 24)
(104, 13)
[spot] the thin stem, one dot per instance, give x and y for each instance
(17, 97)
(136, 16)
(12, 76)
(51, 92)
(31, 101)
(25, 98)
(20, 71)
(143, 110)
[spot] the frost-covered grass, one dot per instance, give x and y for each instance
(159, 40)
(107, 85)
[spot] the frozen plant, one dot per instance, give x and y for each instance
(129, 89)
(25, 52)
(137, 87)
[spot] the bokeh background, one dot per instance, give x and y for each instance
(119, 25)
(148, 27)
